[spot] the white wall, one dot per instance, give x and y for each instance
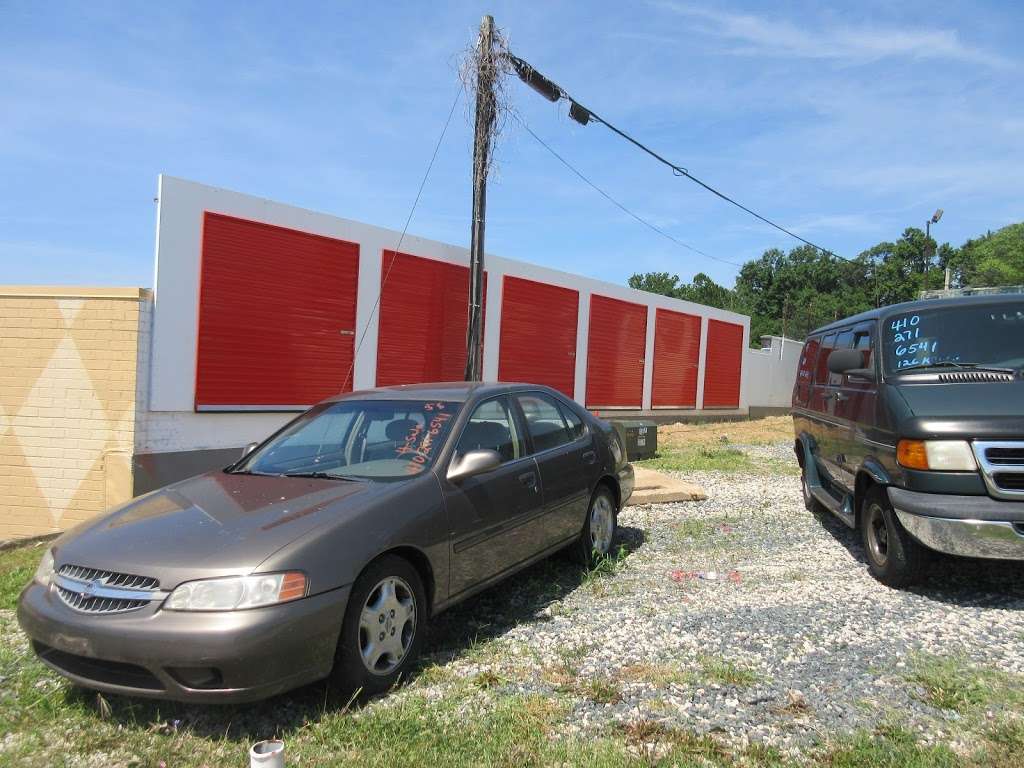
(171, 421)
(769, 374)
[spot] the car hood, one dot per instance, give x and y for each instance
(992, 409)
(217, 524)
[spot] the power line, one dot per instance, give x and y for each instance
(616, 203)
(408, 219)
(552, 91)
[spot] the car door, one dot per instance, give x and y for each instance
(493, 516)
(821, 408)
(835, 428)
(564, 451)
(856, 407)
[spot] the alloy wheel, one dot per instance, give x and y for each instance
(387, 625)
(602, 524)
(878, 535)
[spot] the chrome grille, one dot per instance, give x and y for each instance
(958, 377)
(92, 590)
(1002, 466)
(109, 578)
(80, 602)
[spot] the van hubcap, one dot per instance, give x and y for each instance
(878, 535)
(602, 522)
(387, 625)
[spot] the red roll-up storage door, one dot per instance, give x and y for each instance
(615, 353)
(277, 315)
(676, 359)
(423, 315)
(723, 365)
(538, 334)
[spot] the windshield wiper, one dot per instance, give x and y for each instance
(954, 364)
(319, 476)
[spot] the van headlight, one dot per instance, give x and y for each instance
(938, 455)
(236, 593)
(44, 573)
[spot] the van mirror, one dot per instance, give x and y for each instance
(850, 362)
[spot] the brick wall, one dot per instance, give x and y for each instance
(68, 393)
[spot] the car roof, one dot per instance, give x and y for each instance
(452, 391)
(916, 306)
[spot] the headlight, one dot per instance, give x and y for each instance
(237, 593)
(941, 455)
(44, 573)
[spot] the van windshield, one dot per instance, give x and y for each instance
(987, 335)
(357, 439)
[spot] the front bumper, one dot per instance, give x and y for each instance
(968, 526)
(253, 654)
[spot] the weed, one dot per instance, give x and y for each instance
(726, 672)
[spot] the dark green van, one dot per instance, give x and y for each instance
(909, 425)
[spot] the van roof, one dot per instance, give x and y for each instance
(912, 306)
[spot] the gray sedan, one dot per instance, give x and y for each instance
(325, 549)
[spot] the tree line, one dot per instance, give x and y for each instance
(793, 293)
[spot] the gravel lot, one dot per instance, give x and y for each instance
(743, 616)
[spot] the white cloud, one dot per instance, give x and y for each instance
(758, 35)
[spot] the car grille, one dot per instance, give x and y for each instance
(91, 590)
(1002, 467)
(959, 377)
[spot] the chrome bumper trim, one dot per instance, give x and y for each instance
(967, 538)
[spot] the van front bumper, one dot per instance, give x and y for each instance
(968, 526)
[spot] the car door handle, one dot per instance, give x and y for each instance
(589, 457)
(529, 479)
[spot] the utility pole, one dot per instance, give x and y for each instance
(486, 114)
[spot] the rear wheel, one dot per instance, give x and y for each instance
(595, 539)
(383, 628)
(894, 557)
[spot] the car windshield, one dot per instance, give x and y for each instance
(979, 335)
(357, 439)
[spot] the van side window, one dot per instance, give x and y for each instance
(843, 341)
(805, 373)
(821, 370)
(862, 341)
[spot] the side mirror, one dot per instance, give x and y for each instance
(850, 362)
(249, 449)
(473, 463)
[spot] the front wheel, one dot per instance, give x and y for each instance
(595, 539)
(383, 627)
(894, 557)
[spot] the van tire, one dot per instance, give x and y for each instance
(812, 504)
(893, 556)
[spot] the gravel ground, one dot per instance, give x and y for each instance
(743, 615)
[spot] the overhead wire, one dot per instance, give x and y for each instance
(401, 238)
(549, 88)
(618, 204)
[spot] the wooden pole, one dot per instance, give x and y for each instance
(484, 128)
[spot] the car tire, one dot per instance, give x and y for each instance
(384, 624)
(893, 556)
(595, 541)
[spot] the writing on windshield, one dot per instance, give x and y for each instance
(911, 344)
(421, 440)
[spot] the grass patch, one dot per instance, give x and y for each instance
(601, 690)
(605, 566)
(660, 675)
(888, 748)
(702, 458)
(16, 569)
(726, 672)
(953, 684)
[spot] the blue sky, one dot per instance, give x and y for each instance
(846, 122)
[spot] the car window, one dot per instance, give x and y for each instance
(843, 341)
(492, 426)
(862, 341)
(805, 372)
(574, 422)
(821, 371)
(544, 421)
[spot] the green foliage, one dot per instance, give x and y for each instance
(16, 569)
(792, 293)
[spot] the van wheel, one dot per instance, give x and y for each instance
(894, 557)
(383, 628)
(811, 503)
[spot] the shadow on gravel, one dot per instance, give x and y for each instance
(522, 597)
(968, 583)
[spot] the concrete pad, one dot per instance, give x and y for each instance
(656, 488)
